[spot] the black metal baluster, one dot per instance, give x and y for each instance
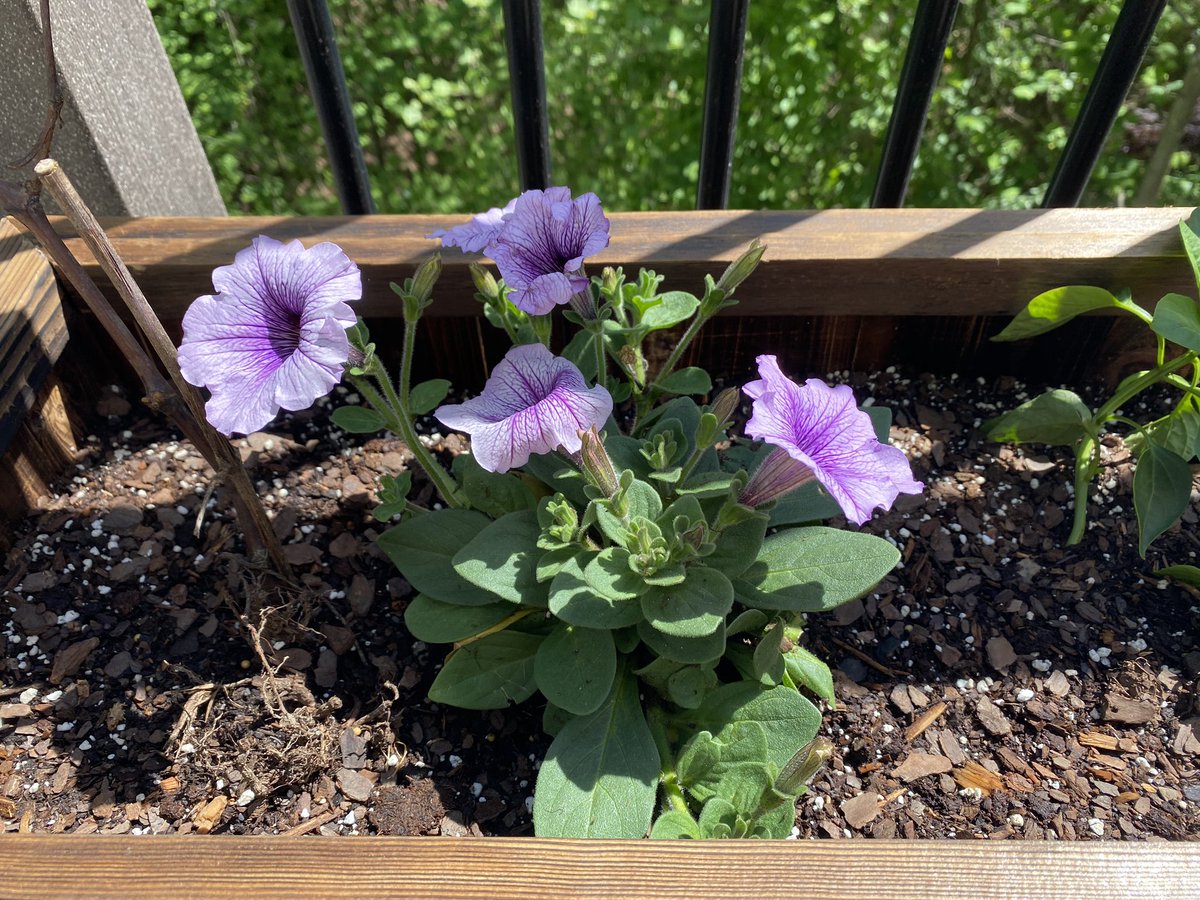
(327, 84)
(922, 63)
(1118, 67)
(722, 87)
(527, 72)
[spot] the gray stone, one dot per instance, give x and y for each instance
(125, 139)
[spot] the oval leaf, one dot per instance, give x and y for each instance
(436, 622)
(425, 397)
(357, 419)
(1177, 319)
(600, 775)
(575, 668)
(670, 309)
(692, 380)
(1162, 487)
(1055, 417)
(817, 568)
(574, 600)
(503, 559)
(693, 608)
(1047, 311)
(490, 673)
(422, 548)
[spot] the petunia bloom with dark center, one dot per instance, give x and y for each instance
(274, 335)
(535, 402)
(820, 433)
(539, 242)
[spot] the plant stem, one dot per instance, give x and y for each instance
(406, 355)
(601, 365)
(1142, 382)
(668, 777)
(1084, 462)
(396, 417)
(689, 335)
(499, 626)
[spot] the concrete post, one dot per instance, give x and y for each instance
(126, 138)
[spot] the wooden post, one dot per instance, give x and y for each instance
(36, 440)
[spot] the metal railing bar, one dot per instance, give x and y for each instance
(722, 87)
(527, 72)
(1118, 67)
(327, 84)
(922, 63)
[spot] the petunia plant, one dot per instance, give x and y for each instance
(609, 545)
(1164, 447)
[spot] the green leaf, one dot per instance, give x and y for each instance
(1179, 432)
(670, 309)
(436, 622)
(738, 546)
(422, 548)
(425, 397)
(1189, 575)
(675, 823)
(816, 568)
(684, 649)
(694, 608)
(641, 501)
(357, 419)
(768, 655)
(692, 380)
(1177, 319)
(789, 720)
(687, 687)
(490, 673)
(491, 493)
(503, 559)
(552, 562)
(608, 573)
(1055, 417)
(1190, 231)
(1162, 488)
(1047, 311)
(600, 775)
(806, 670)
(574, 600)
(575, 668)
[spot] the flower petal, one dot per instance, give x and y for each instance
(474, 236)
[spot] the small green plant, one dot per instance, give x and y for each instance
(1162, 483)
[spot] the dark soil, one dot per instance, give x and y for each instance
(996, 685)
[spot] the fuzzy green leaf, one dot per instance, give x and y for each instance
(425, 397)
(436, 622)
(422, 548)
(692, 380)
(357, 419)
(693, 608)
(490, 673)
(575, 668)
(503, 559)
(574, 600)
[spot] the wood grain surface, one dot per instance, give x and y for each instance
(911, 262)
(264, 867)
(33, 330)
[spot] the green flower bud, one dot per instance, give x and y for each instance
(596, 464)
(484, 282)
(741, 268)
(803, 767)
(726, 405)
(428, 273)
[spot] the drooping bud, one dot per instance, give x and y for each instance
(777, 475)
(741, 268)
(596, 464)
(633, 361)
(485, 282)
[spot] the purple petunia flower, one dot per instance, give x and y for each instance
(534, 402)
(274, 334)
(539, 242)
(820, 433)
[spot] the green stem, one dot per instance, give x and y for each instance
(1183, 384)
(688, 336)
(396, 417)
(410, 340)
(1084, 469)
(668, 777)
(1161, 353)
(1142, 382)
(601, 366)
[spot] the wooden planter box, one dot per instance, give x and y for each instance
(843, 289)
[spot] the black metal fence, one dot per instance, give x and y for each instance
(932, 22)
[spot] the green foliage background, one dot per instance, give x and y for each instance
(626, 79)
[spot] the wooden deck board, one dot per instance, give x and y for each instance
(263, 867)
(907, 262)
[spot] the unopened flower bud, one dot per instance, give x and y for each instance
(802, 767)
(739, 270)
(631, 358)
(485, 283)
(610, 279)
(596, 464)
(428, 272)
(726, 405)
